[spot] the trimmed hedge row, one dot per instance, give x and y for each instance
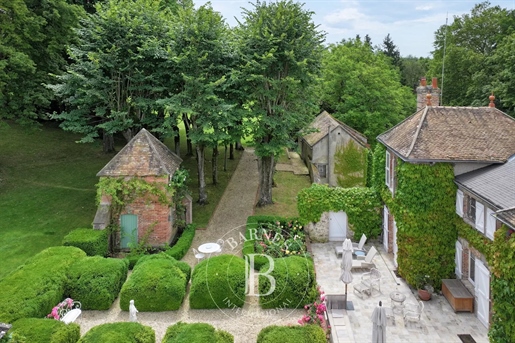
(96, 281)
(250, 237)
(218, 282)
(40, 330)
(120, 332)
(157, 283)
(34, 288)
(196, 333)
(295, 283)
(93, 242)
(292, 334)
(183, 243)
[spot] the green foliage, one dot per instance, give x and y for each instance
(42, 330)
(34, 38)
(280, 238)
(362, 88)
(502, 62)
(362, 206)
(96, 281)
(218, 282)
(196, 333)
(502, 325)
(295, 283)
(292, 334)
(183, 244)
(350, 164)
(157, 283)
(119, 332)
(34, 288)
(251, 238)
(413, 68)
(93, 242)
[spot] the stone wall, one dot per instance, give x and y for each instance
(319, 232)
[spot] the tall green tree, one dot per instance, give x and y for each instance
(202, 60)
(281, 49)
(502, 62)
(118, 72)
(390, 50)
(468, 41)
(363, 89)
(33, 39)
(413, 68)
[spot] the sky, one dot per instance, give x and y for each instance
(411, 24)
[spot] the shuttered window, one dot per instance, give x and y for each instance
(459, 203)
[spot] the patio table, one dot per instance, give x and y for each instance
(209, 248)
(397, 299)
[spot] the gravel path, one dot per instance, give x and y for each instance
(227, 223)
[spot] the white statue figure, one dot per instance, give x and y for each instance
(132, 312)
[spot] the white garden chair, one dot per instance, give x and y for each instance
(361, 244)
(413, 313)
(367, 262)
(220, 242)
(198, 255)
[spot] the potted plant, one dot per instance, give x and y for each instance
(425, 287)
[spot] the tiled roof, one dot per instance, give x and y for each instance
(495, 183)
(441, 133)
(322, 122)
(144, 155)
(507, 216)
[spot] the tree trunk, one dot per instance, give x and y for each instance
(128, 135)
(231, 151)
(107, 142)
(239, 146)
(177, 141)
(225, 158)
(266, 172)
(202, 192)
(214, 165)
(189, 146)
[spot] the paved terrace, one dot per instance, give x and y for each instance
(439, 323)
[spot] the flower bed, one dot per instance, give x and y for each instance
(280, 238)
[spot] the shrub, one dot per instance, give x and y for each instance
(96, 281)
(295, 283)
(218, 282)
(120, 332)
(196, 333)
(292, 334)
(158, 283)
(183, 243)
(34, 288)
(93, 242)
(40, 330)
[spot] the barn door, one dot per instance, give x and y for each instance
(337, 226)
(129, 230)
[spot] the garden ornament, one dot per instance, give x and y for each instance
(132, 312)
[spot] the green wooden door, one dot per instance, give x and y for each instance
(129, 230)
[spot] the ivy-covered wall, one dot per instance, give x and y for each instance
(502, 282)
(362, 206)
(424, 211)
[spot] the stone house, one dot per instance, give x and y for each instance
(318, 148)
(144, 218)
(479, 142)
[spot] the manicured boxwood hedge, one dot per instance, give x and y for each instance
(218, 282)
(93, 242)
(250, 235)
(120, 332)
(33, 289)
(41, 330)
(183, 243)
(96, 281)
(157, 283)
(292, 334)
(196, 333)
(295, 283)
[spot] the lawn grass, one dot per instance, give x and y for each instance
(47, 188)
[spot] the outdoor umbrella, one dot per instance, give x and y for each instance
(346, 276)
(379, 324)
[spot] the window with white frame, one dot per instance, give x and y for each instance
(389, 171)
(459, 203)
(471, 208)
(480, 217)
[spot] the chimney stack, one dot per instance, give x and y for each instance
(492, 98)
(428, 95)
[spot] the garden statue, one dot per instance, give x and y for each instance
(132, 312)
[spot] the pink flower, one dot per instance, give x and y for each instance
(320, 317)
(300, 322)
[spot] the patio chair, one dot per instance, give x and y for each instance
(372, 279)
(361, 244)
(389, 314)
(413, 312)
(367, 262)
(198, 255)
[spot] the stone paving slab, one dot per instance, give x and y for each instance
(439, 323)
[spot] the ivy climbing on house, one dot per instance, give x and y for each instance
(350, 165)
(362, 206)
